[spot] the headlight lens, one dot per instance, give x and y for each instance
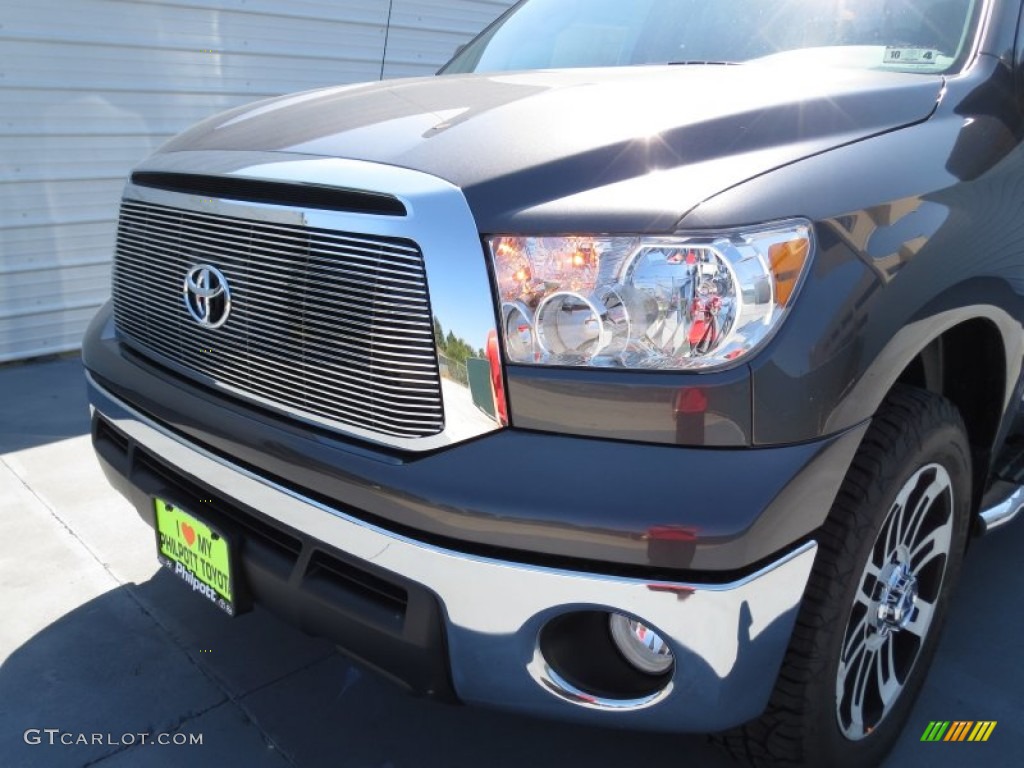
(681, 302)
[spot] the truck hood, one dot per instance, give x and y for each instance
(611, 150)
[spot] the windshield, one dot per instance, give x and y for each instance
(929, 36)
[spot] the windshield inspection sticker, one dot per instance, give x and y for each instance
(910, 57)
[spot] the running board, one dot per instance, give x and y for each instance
(1001, 505)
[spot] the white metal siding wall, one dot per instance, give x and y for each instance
(90, 87)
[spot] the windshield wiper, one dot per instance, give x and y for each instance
(692, 62)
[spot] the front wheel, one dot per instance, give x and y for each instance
(889, 555)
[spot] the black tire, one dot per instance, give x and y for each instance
(807, 722)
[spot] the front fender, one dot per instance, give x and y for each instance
(918, 231)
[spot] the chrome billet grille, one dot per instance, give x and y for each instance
(327, 325)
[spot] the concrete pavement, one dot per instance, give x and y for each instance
(95, 639)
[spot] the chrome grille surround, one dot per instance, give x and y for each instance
(327, 326)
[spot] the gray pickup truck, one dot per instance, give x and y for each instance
(651, 366)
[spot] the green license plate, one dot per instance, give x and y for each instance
(196, 553)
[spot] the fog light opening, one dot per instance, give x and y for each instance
(640, 645)
(579, 647)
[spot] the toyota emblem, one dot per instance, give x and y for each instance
(207, 297)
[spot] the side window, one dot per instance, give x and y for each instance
(545, 34)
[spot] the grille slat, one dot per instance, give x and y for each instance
(403, 297)
(387, 361)
(424, 393)
(331, 326)
(369, 297)
(369, 260)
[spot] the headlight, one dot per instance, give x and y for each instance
(676, 303)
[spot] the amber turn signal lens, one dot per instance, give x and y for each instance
(787, 260)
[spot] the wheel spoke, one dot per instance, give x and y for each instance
(860, 685)
(852, 656)
(885, 675)
(935, 544)
(922, 618)
(856, 641)
(917, 518)
(910, 522)
(868, 584)
(894, 523)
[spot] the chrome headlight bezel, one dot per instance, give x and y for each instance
(690, 301)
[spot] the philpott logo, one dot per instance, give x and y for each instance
(958, 730)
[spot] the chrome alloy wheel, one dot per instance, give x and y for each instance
(895, 601)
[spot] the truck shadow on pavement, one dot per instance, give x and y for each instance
(153, 658)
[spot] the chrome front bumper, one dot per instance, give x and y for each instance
(728, 639)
